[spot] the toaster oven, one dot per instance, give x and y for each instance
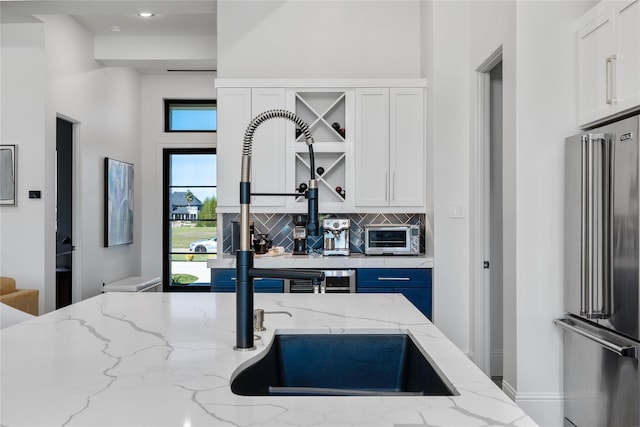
(392, 239)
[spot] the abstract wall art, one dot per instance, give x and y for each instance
(118, 203)
(8, 175)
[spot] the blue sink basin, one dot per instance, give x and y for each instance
(341, 365)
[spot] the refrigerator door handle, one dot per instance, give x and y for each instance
(621, 350)
(607, 284)
(597, 223)
(585, 212)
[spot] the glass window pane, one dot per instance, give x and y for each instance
(191, 226)
(190, 116)
(193, 170)
(195, 237)
(193, 119)
(189, 273)
(192, 204)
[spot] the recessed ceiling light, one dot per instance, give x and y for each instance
(115, 28)
(145, 14)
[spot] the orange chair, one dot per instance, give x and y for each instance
(22, 299)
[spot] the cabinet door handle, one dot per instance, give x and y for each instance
(404, 279)
(608, 80)
(386, 185)
(393, 186)
(233, 279)
(609, 65)
(614, 80)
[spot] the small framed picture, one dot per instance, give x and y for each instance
(118, 203)
(8, 175)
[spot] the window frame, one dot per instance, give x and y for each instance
(167, 113)
(166, 219)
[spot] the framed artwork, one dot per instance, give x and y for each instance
(118, 203)
(8, 175)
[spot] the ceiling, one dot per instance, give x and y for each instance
(119, 20)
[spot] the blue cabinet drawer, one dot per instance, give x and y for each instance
(390, 277)
(414, 284)
(224, 280)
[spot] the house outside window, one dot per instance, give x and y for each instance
(184, 205)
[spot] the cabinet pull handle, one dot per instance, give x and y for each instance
(393, 186)
(386, 185)
(404, 279)
(608, 82)
(614, 80)
(233, 279)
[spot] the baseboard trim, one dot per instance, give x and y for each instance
(546, 409)
(508, 390)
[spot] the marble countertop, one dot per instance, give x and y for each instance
(166, 359)
(326, 262)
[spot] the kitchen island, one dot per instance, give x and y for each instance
(167, 359)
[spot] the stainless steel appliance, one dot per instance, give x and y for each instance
(392, 239)
(601, 277)
(335, 281)
(336, 236)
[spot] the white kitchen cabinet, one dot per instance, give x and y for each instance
(375, 152)
(236, 108)
(372, 147)
(329, 114)
(627, 62)
(269, 148)
(390, 148)
(609, 61)
(234, 114)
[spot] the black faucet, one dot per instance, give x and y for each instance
(245, 273)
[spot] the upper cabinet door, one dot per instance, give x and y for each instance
(407, 147)
(609, 61)
(627, 59)
(390, 148)
(268, 160)
(234, 114)
(371, 165)
(595, 48)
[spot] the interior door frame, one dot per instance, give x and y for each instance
(76, 202)
(480, 202)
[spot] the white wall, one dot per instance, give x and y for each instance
(57, 73)
(155, 88)
(546, 98)
(494, 26)
(22, 93)
(308, 39)
(539, 63)
(427, 34)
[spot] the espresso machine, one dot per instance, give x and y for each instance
(336, 236)
(299, 234)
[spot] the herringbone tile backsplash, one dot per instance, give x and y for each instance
(279, 228)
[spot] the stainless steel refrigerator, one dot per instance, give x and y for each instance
(601, 330)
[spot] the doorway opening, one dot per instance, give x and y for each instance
(64, 212)
(495, 224)
(488, 224)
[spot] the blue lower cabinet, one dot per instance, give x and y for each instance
(224, 280)
(413, 283)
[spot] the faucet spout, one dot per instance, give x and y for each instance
(245, 272)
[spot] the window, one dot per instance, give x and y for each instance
(190, 227)
(190, 115)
